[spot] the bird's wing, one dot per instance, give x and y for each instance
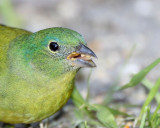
(7, 34)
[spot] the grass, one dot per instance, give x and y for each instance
(103, 116)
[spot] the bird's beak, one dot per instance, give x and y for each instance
(82, 57)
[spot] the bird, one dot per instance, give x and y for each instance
(37, 71)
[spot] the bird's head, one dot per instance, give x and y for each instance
(56, 51)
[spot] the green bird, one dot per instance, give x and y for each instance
(37, 71)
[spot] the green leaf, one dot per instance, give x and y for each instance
(137, 78)
(78, 114)
(104, 115)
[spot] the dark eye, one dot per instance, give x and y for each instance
(53, 46)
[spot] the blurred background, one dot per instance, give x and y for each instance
(124, 34)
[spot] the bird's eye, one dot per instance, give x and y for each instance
(53, 46)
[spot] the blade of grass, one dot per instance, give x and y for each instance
(155, 118)
(86, 125)
(104, 115)
(88, 85)
(144, 117)
(109, 94)
(79, 102)
(113, 87)
(149, 114)
(149, 86)
(137, 78)
(155, 113)
(150, 96)
(95, 123)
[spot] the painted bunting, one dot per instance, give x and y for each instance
(37, 71)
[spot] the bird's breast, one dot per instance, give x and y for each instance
(25, 102)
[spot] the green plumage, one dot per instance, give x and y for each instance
(35, 82)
